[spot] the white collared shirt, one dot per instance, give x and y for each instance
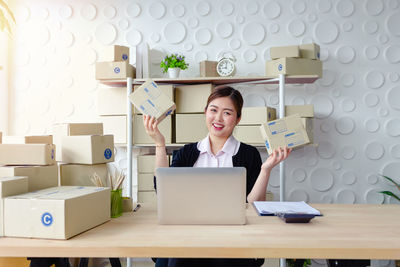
(222, 159)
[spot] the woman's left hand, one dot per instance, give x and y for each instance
(275, 158)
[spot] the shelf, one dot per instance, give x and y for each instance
(295, 79)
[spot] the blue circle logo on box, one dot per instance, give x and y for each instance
(116, 70)
(280, 67)
(47, 219)
(124, 56)
(107, 153)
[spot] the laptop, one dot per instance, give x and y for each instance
(201, 195)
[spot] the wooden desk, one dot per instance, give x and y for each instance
(345, 231)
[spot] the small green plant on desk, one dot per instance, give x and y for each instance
(173, 61)
(298, 262)
(390, 193)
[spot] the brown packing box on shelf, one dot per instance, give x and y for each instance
(311, 51)
(190, 127)
(111, 101)
(116, 125)
(88, 149)
(32, 139)
(208, 69)
(39, 177)
(257, 115)
(151, 100)
(288, 131)
(114, 70)
(146, 163)
(70, 129)
(27, 154)
(10, 186)
(141, 137)
(308, 124)
(57, 212)
(145, 181)
(114, 53)
(249, 134)
(304, 111)
(192, 98)
(80, 174)
(147, 197)
(284, 51)
(167, 89)
(293, 66)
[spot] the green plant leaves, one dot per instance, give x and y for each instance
(173, 61)
(389, 193)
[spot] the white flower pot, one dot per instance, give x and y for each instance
(173, 72)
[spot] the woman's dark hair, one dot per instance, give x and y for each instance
(227, 91)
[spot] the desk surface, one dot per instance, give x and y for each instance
(345, 231)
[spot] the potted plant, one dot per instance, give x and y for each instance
(173, 64)
(5, 16)
(390, 193)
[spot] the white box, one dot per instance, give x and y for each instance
(39, 177)
(57, 212)
(80, 174)
(10, 186)
(116, 125)
(88, 149)
(27, 154)
(70, 129)
(112, 101)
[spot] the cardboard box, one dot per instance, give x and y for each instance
(117, 126)
(79, 174)
(151, 100)
(311, 51)
(249, 134)
(145, 181)
(304, 111)
(141, 137)
(1, 137)
(57, 212)
(288, 131)
(27, 154)
(39, 177)
(88, 149)
(112, 101)
(284, 51)
(168, 89)
(32, 139)
(10, 186)
(208, 69)
(114, 53)
(190, 127)
(146, 163)
(70, 129)
(293, 66)
(257, 115)
(192, 98)
(308, 124)
(114, 70)
(147, 197)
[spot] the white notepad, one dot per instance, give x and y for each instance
(265, 208)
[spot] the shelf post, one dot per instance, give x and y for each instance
(129, 83)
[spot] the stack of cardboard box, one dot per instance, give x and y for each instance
(155, 100)
(82, 151)
(190, 102)
(294, 60)
(248, 129)
(306, 113)
(112, 101)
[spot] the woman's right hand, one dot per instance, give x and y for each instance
(151, 126)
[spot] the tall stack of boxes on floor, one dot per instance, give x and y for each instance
(112, 100)
(32, 205)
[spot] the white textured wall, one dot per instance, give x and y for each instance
(357, 103)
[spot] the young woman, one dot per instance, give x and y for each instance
(220, 149)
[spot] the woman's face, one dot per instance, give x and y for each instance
(221, 117)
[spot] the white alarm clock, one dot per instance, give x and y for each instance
(226, 64)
